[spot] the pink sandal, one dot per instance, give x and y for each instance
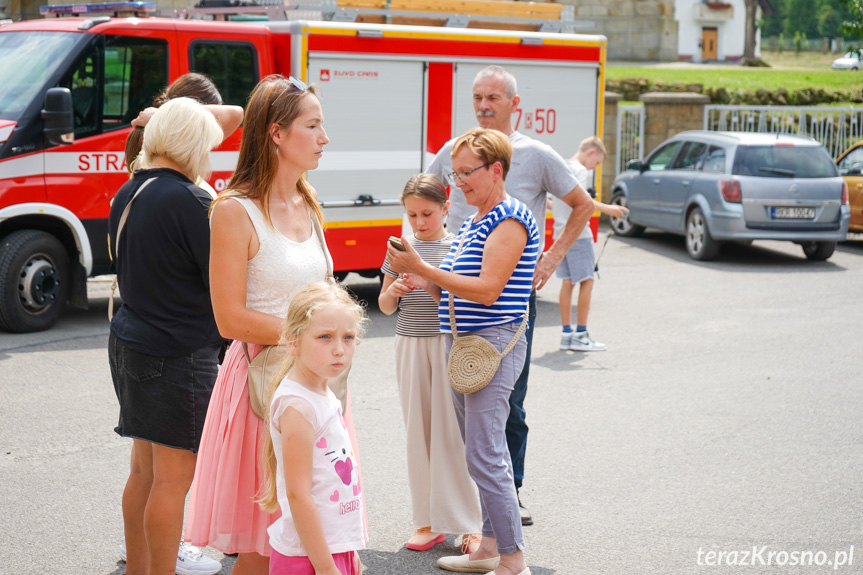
(470, 543)
(424, 539)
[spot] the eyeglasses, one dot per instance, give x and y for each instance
(455, 176)
(298, 84)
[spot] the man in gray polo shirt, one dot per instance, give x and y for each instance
(535, 171)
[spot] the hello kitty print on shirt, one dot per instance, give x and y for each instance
(336, 489)
(340, 455)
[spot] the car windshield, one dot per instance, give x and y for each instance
(27, 62)
(784, 162)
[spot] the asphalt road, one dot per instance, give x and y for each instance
(725, 416)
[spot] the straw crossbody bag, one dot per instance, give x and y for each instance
(265, 367)
(473, 360)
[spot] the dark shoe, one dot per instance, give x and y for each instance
(526, 518)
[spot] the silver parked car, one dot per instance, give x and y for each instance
(850, 61)
(717, 186)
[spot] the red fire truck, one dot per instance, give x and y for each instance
(392, 96)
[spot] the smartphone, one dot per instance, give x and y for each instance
(397, 243)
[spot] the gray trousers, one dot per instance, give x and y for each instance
(482, 419)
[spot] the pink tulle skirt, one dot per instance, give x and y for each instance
(222, 511)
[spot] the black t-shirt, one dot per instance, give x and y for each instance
(162, 265)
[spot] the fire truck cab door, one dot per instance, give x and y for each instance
(373, 114)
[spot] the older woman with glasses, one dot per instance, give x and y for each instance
(264, 249)
(487, 275)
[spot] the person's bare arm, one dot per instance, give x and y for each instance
(231, 239)
(610, 210)
(420, 282)
(298, 438)
(503, 249)
(582, 208)
(392, 291)
(228, 117)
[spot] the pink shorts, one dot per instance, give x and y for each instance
(284, 565)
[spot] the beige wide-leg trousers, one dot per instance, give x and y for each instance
(443, 495)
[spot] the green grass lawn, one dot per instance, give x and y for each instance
(788, 71)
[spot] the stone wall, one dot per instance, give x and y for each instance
(609, 138)
(667, 114)
(637, 30)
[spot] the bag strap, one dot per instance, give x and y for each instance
(452, 322)
(112, 254)
(319, 230)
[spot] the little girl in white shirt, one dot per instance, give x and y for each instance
(321, 501)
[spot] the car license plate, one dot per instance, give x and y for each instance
(792, 213)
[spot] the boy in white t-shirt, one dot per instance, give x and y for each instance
(579, 264)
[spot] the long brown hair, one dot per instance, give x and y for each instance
(275, 100)
(191, 85)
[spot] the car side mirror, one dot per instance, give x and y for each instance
(634, 165)
(58, 119)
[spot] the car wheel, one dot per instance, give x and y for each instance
(699, 243)
(818, 251)
(622, 226)
(35, 281)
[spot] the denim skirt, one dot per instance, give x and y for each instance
(163, 399)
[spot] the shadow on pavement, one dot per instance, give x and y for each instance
(406, 561)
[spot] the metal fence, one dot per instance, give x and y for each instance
(835, 128)
(630, 135)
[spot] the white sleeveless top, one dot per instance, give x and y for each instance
(282, 266)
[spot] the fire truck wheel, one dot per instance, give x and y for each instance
(34, 277)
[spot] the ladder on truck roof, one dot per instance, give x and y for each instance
(491, 14)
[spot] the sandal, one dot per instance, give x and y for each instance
(469, 542)
(424, 539)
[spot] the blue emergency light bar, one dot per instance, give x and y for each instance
(102, 8)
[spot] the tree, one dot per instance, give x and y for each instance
(829, 21)
(751, 29)
(853, 26)
(751, 26)
(798, 18)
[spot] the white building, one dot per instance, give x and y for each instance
(711, 31)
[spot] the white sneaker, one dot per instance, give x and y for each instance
(581, 342)
(190, 560)
(565, 340)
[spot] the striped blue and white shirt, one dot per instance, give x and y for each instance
(512, 303)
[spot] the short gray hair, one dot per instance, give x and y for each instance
(183, 131)
(502, 73)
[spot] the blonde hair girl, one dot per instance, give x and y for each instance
(321, 501)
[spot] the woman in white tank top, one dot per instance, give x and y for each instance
(263, 249)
